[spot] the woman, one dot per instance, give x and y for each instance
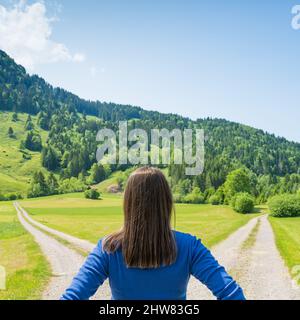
(146, 260)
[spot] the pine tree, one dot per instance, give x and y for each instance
(10, 132)
(44, 120)
(50, 158)
(33, 141)
(29, 124)
(97, 173)
(14, 117)
(38, 186)
(52, 184)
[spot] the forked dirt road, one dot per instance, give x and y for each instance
(64, 261)
(249, 254)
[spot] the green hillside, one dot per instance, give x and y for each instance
(71, 123)
(16, 166)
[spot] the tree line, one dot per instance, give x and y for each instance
(271, 162)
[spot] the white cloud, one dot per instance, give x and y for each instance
(25, 34)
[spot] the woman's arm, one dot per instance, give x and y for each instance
(207, 270)
(91, 275)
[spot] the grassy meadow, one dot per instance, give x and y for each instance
(26, 268)
(15, 171)
(287, 235)
(93, 219)
(28, 271)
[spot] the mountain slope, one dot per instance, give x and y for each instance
(16, 165)
(71, 144)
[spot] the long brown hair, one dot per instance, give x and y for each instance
(146, 238)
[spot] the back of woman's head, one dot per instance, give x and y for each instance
(146, 239)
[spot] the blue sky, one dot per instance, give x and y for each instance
(238, 60)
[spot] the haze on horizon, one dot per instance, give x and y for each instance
(232, 60)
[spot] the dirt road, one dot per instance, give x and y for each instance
(249, 254)
(64, 261)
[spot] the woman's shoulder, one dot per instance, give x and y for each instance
(185, 238)
(100, 248)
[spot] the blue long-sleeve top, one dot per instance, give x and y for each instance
(164, 283)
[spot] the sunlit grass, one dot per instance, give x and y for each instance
(287, 235)
(27, 269)
(93, 219)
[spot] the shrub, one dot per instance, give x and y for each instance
(215, 200)
(208, 193)
(286, 205)
(92, 194)
(243, 203)
(10, 197)
(238, 181)
(195, 197)
(71, 185)
(218, 197)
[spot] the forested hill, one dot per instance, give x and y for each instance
(72, 124)
(31, 94)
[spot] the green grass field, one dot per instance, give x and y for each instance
(91, 220)
(15, 172)
(27, 269)
(287, 234)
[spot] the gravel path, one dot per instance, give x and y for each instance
(79, 243)
(64, 262)
(258, 268)
(261, 270)
(227, 253)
